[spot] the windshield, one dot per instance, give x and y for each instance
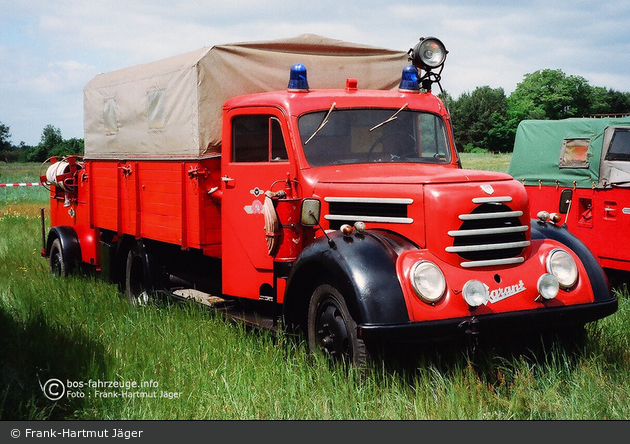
(338, 136)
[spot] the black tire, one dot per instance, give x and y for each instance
(331, 328)
(57, 261)
(138, 285)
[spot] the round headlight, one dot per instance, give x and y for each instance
(475, 293)
(563, 267)
(548, 286)
(428, 281)
(429, 53)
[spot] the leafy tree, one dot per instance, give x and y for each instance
(5, 137)
(68, 146)
(479, 118)
(51, 137)
(609, 101)
(53, 144)
(551, 94)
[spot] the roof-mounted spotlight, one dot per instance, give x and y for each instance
(428, 54)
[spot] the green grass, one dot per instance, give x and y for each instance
(486, 161)
(81, 329)
(17, 173)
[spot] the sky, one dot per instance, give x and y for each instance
(49, 49)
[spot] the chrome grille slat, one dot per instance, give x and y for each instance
(363, 218)
(488, 247)
(486, 231)
(493, 262)
(497, 199)
(490, 215)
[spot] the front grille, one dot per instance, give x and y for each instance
(492, 234)
(347, 210)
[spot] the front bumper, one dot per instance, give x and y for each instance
(516, 322)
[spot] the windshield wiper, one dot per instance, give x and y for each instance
(324, 122)
(393, 117)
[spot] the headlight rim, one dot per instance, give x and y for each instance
(550, 268)
(415, 286)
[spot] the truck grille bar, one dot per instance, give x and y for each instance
(490, 235)
(367, 209)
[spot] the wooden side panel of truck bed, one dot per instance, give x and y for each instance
(158, 200)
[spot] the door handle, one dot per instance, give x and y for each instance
(226, 178)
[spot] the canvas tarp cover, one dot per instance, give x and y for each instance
(173, 107)
(537, 148)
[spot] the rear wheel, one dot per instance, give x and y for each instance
(57, 261)
(139, 284)
(331, 328)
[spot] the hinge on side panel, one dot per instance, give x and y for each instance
(194, 172)
(126, 170)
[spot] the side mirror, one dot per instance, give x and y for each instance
(565, 201)
(309, 214)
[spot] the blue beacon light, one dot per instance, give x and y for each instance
(297, 78)
(409, 79)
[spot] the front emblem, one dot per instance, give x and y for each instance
(487, 188)
(505, 292)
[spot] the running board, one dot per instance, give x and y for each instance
(190, 294)
(228, 307)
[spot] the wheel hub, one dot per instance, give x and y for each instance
(331, 331)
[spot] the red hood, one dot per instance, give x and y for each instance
(412, 174)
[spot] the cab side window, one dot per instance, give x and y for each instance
(257, 138)
(619, 146)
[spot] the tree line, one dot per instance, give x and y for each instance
(484, 120)
(51, 144)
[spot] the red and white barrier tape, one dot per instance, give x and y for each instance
(24, 184)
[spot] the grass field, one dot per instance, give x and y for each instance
(201, 366)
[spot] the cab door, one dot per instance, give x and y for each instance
(255, 159)
(611, 203)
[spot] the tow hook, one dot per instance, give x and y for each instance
(472, 332)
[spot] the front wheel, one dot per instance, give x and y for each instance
(331, 328)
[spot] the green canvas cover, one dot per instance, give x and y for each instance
(538, 148)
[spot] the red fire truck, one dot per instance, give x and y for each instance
(576, 172)
(333, 202)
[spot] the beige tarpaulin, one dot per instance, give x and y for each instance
(172, 107)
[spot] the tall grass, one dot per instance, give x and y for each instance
(81, 329)
(486, 161)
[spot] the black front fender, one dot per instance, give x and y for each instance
(363, 266)
(599, 281)
(69, 242)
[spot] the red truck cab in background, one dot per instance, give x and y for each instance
(340, 209)
(577, 172)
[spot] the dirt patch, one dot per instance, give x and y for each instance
(29, 210)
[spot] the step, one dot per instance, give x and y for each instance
(199, 296)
